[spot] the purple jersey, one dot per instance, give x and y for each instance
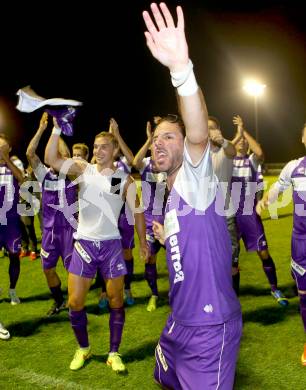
(198, 249)
(244, 183)
(57, 195)
(9, 195)
(153, 186)
(123, 165)
(294, 174)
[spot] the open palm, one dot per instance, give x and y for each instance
(167, 42)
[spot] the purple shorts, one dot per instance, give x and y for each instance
(126, 232)
(251, 230)
(298, 262)
(105, 256)
(10, 236)
(55, 243)
(198, 357)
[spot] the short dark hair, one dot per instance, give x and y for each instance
(214, 119)
(173, 118)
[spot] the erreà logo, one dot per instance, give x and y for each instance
(176, 259)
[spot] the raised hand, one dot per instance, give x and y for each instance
(237, 120)
(166, 41)
(113, 127)
(43, 121)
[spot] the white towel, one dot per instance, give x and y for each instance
(29, 101)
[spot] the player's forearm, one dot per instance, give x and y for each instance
(125, 150)
(229, 149)
(137, 162)
(236, 139)
(15, 171)
(254, 146)
(52, 156)
(140, 226)
(33, 145)
(194, 114)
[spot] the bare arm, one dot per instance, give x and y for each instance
(114, 129)
(32, 157)
(229, 149)
(253, 144)
(56, 161)
(283, 183)
(168, 45)
(237, 121)
(4, 155)
(141, 154)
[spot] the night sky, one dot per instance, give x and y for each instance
(95, 52)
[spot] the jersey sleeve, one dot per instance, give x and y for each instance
(284, 180)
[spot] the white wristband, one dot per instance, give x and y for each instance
(56, 131)
(225, 143)
(185, 81)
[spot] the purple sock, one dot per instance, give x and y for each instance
(57, 294)
(14, 269)
(130, 272)
(303, 309)
(78, 320)
(151, 277)
(116, 322)
(270, 271)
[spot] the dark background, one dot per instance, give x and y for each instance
(95, 52)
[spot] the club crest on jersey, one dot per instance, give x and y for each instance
(208, 308)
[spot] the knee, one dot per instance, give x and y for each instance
(264, 255)
(115, 301)
(74, 303)
(49, 272)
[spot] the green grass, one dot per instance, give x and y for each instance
(40, 350)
